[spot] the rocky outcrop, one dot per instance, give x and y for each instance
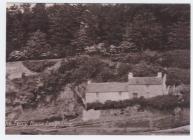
(19, 98)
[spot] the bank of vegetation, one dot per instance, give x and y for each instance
(162, 103)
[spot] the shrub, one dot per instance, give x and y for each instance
(163, 102)
(176, 58)
(144, 69)
(82, 68)
(177, 76)
(105, 75)
(123, 68)
(185, 100)
(133, 58)
(38, 66)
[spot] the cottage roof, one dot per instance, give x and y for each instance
(145, 81)
(107, 87)
(117, 86)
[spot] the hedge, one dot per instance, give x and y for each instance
(163, 102)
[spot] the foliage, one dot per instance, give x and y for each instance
(37, 45)
(105, 75)
(15, 31)
(133, 58)
(79, 69)
(185, 98)
(143, 69)
(178, 76)
(179, 35)
(63, 24)
(71, 27)
(165, 102)
(17, 55)
(122, 71)
(38, 66)
(145, 30)
(83, 68)
(82, 39)
(162, 102)
(127, 39)
(39, 18)
(175, 58)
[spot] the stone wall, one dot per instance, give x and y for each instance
(132, 117)
(102, 97)
(91, 115)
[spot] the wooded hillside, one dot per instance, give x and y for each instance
(40, 31)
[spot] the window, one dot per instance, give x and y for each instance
(97, 97)
(135, 95)
(142, 97)
(147, 88)
(147, 94)
(97, 94)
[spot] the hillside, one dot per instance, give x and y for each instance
(68, 29)
(46, 80)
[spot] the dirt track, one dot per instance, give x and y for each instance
(97, 131)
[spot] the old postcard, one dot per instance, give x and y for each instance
(97, 69)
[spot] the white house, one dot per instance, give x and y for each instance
(135, 87)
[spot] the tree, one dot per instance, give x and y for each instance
(105, 75)
(26, 21)
(179, 35)
(37, 45)
(106, 23)
(82, 39)
(71, 27)
(146, 32)
(15, 32)
(177, 76)
(63, 23)
(126, 42)
(39, 19)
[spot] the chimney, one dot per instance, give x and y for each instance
(159, 74)
(89, 81)
(130, 75)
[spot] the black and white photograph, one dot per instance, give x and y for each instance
(97, 69)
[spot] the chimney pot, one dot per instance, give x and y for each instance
(159, 74)
(89, 81)
(130, 75)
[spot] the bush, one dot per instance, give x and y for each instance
(176, 58)
(105, 75)
(38, 66)
(17, 55)
(143, 69)
(133, 58)
(177, 76)
(83, 68)
(163, 102)
(116, 104)
(185, 101)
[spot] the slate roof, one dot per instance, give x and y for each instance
(117, 86)
(145, 81)
(107, 87)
